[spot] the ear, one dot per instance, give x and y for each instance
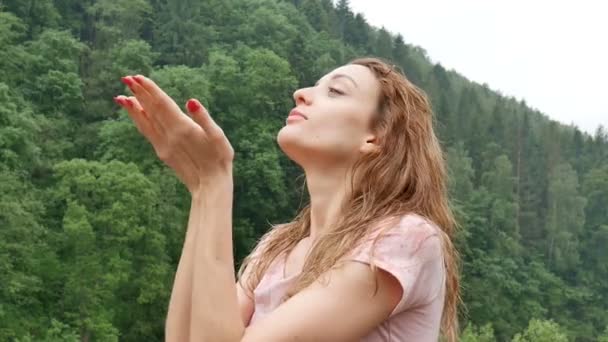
(370, 145)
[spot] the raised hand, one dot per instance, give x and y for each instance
(194, 146)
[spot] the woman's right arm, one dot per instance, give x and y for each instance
(244, 295)
(180, 304)
(245, 300)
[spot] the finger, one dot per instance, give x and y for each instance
(143, 124)
(135, 113)
(161, 99)
(134, 103)
(135, 88)
(152, 105)
(155, 135)
(201, 116)
(149, 104)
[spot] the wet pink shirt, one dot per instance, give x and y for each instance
(411, 252)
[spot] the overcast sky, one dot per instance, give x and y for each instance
(553, 54)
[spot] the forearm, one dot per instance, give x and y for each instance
(215, 314)
(178, 317)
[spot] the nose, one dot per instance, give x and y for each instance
(301, 95)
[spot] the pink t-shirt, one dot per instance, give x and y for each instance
(410, 251)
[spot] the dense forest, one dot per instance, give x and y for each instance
(92, 223)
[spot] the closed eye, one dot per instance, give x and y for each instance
(334, 90)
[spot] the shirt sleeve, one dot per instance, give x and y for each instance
(411, 251)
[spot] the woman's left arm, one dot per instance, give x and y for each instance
(203, 305)
(215, 314)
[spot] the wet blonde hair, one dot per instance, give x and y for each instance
(407, 174)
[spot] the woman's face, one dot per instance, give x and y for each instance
(338, 112)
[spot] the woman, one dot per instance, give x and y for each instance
(369, 259)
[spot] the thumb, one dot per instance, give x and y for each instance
(201, 116)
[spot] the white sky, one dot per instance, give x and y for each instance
(552, 54)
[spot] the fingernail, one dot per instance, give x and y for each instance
(117, 100)
(129, 102)
(138, 79)
(127, 81)
(193, 105)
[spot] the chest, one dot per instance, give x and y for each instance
(295, 259)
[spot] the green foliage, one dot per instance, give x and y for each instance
(116, 269)
(565, 218)
(92, 223)
(316, 14)
(12, 30)
(461, 174)
(541, 331)
(117, 20)
(604, 336)
(36, 14)
(53, 82)
(24, 254)
(129, 58)
(18, 131)
(474, 334)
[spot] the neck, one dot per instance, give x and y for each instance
(327, 189)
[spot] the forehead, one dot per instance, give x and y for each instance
(363, 77)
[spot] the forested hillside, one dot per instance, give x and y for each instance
(92, 223)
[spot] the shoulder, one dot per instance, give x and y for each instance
(409, 238)
(410, 249)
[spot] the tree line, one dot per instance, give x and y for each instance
(92, 223)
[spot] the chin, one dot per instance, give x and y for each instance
(288, 142)
(303, 149)
(292, 145)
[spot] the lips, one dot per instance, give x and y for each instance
(295, 112)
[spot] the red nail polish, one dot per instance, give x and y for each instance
(138, 79)
(127, 81)
(193, 105)
(129, 102)
(117, 101)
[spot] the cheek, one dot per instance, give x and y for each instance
(340, 133)
(336, 130)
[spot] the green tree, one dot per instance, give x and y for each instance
(23, 258)
(593, 252)
(541, 331)
(116, 21)
(604, 336)
(84, 295)
(316, 15)
(12, 31)
(474, 334)
(460, 172)
(36, 14)
(108, 66)
(565, 218)
(123, 249)
(383, 45)
(503, 213)
(404, 57)
(52, 66)
(92, 223)
(184, 41)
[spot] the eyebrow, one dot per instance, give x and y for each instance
(341, 75)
